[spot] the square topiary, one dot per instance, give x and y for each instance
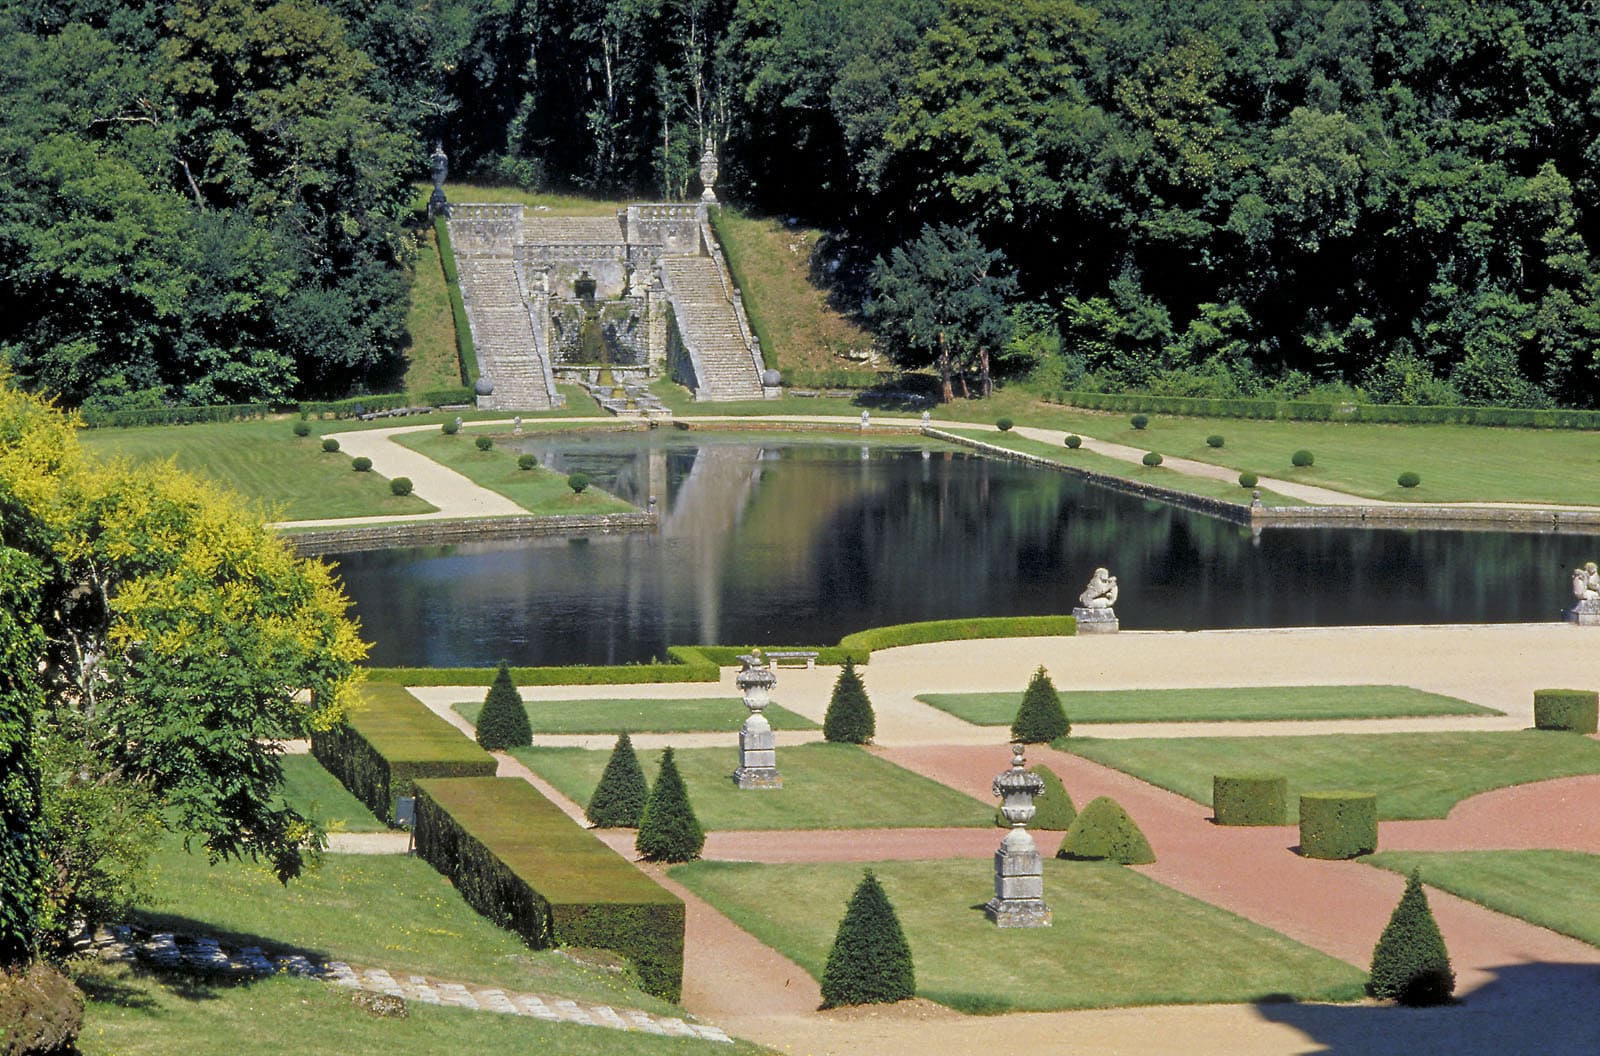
(1336, 825)
(1250, 799)
(1577, 710)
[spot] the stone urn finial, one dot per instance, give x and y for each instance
(708, 172)
(1017, 790)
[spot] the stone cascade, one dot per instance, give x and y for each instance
(724, 363)
(503, 336)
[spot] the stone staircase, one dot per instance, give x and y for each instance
(724, 365)
(502, 335)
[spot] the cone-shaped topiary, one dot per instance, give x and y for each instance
(618, 800)
(849, 719)
(1041, 718)
(1104, 830)
(870, 961)
(503, 722)
(1410, 963)
(669, 831)
(1053, 810)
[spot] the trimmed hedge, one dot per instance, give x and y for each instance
(229, 412)
(1338, 824)
(1053, 809)
(521, 862)
(503, 722)
(1410, 962)
(1577, 710)
(1104, 831)
(870, 960)
(849, 718)
(1250, 799)
(684, 664)
(1314, 411)
(458, 307)
(391, 740)
(1040, 717)
(355, 406)
(959, 630)
(618, 800)
(1152, 459)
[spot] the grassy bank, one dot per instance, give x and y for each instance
(538, 490)
(642, 715)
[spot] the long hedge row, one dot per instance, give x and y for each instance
(1315, 411)
(388, 742)
(458, 307)
(521, 862)
(232, 412)
(959, 630)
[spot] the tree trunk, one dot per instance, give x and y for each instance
(983, 367)
(944, 370)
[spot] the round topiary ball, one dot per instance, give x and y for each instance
(1248, 480)
(330, 444)
(1408, 479)
(526, 461)
(577, 482)
(450, 428)
(1214, 440)
(1151, 458)
(1003, 424)
(1302, 458)
(361, 463)
(400, 485)
(1074, 441)
(1139, 421)
(483, 443)
(302, 429)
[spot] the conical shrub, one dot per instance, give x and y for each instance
(503, 722)
(1104, 831)
(849, 719)
(1041, 718)
(619, 798)
(1410, 962)
(870, 961)
(1053, 810)
(668, 830)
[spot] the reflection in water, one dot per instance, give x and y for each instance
(795, 542)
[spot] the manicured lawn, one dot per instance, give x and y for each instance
(553, 204)
(682, 404)
(1247, 703)
(1559, 890)
(432, 361)
(318, 794)
(536, 490)
(134, 1014)
(642, 715)
(379, 910)
(825, 786)
(1416, 775)
(265, 461)
(1118, 938)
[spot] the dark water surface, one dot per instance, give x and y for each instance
(800, 542)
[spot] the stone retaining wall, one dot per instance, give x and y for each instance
(1488, 518)
(433, 533)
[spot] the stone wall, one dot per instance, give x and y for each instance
(358, 538)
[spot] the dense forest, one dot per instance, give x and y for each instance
(209, 201)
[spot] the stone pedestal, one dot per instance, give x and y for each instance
(1018, 900)
(1585, 614)
(1096, 621)
(758, 749)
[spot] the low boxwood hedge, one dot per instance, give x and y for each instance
(1250, 799)
(1338, 824)
(520, 861)
(389, 741)
(685, 663)
(958, 630)
(1577, 710)
(1316, 411)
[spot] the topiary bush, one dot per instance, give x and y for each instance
(1214, 440)
(1250, 799)
(1041, 718)
(450, 428)
(1003, 424)
(870, 961)
(41, 1011)
(668, 829)
(361, 463)
(483, 443)
(1053, 810)
(1566, 709)
(1074, 441)
(302, 429)
(1408, 479)
(1410, 963)
(329, 444)
(1248, 480)
(503, 722)
(618, 800)
(526, 461)
(1336, 825)
(1103, 831)
(849, 719)
(1139, 421)
(577, 482)
(400, 485)
(1302, 458)
(1152, 459)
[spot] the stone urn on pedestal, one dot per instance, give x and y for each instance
(1018, 900)
(758, 753)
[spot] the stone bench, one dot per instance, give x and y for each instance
(805, 658)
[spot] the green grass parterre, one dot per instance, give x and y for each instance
(642, 715)
(539, 491)
(1559, 890)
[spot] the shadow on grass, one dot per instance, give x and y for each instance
(145, 920)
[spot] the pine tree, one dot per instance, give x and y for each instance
(870, 961)
(1410, 962)
(849, 719)
(1041, 718)
(669, 831)
(618, 800)
(503, 722)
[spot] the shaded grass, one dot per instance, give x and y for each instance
(263, 460)
(132, 1013)
(825, 786)
(432, 360)
(554, 204)
(1245, 703)
(310, 789)
(1415, 775)
(682, 403)
(642, 715)
(1118, 938)
(539, 490)
(1559, 890)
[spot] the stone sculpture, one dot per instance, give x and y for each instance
(708, 172)
(758, 754)
(1018, 900)
(1094, 611)
(439, 162)
(1586, 589)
